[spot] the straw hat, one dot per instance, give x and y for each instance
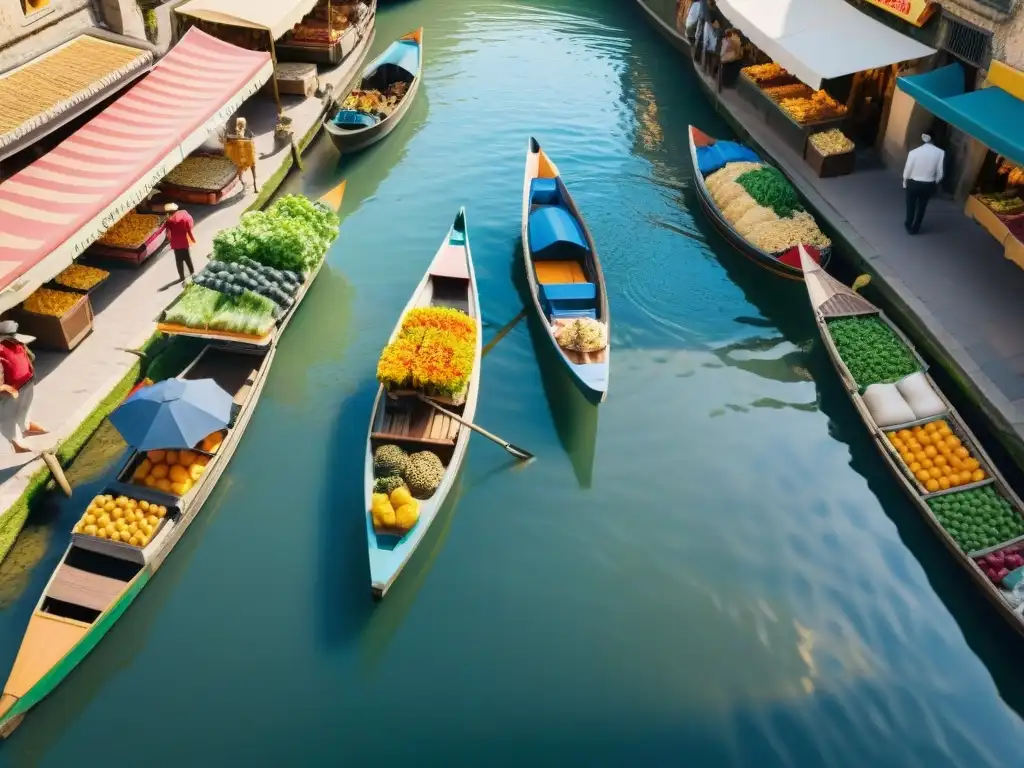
(9, 330)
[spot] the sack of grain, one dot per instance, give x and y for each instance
(919, 395)
(731, 172)
(887, 406)
(754, 216)
(735, 210)
(728, 192)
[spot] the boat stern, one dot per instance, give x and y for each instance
(592, 378)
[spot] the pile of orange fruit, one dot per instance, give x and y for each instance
(936, 456)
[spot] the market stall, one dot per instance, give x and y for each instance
(327, 35)
(133, 239)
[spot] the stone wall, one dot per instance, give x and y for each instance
(1007, 28)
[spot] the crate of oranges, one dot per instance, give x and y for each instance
(936, 457)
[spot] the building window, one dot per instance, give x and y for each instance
(971, 44)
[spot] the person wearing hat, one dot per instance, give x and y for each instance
(921, 177)
(179, 231)
(17, 388)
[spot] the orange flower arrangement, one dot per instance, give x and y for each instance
(435, 350)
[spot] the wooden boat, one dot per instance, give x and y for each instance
(403, 419)
(770, 261)
(678, 40)
(831, 300)
(562, 267)
(97, 579)
(401, 62)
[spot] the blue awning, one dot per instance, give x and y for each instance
(991, 115)
(554, 224)
(404, 54)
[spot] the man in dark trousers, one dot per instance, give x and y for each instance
(921, 177)
(179, 231)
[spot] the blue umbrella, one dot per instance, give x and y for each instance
(172, 414)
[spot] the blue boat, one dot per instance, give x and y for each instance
(399, 67)
(402, 418)
(563, 269)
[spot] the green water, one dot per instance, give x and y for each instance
(716, 569)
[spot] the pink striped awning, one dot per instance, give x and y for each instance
(54, 208)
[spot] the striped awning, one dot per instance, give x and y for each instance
(61, 83)
(53, 209)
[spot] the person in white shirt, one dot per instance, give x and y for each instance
(921, 177)
(692, 18)
(710, 45)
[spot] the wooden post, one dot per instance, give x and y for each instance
(273, 74)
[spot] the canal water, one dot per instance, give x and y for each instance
(712, 569)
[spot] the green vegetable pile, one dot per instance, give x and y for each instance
(205, 309)
(235, 277)
(292, 234)
(977, 519)
(770, 189)
(870, 349)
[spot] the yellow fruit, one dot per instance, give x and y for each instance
(935, 473)
(944, 483)
(195, 472)
(79, 527)
(399, 497)
(143, 540)
(383, 514)
(90, 530)
(152, 520)
(144, 505)
(160, 471)
(931, 452)
(150, 482)
(111, 530)
(133, 528)
(407, 515)
(927, 464)
(161, 511)
(179, 489)
(919, 456)
(971, 464)
(157, 457)
(941, 461)
(117, 514)
(171, 457)
(90, 519)
(915, 467)
(145, 529)
(142, 470)
(103, 520)
(965, 477)
(904, 434)
(120, 525)
(931, 426)
(164, 485)
(977, 475)
(932, 485)
(102, 533)
(202, 460)
(178, 474)
(893, 437)
(923, 476)
(110, 506)
(134, 541)
(121, 501)
(908, 457)
(125, 536)
(186, 458)
(953, 441)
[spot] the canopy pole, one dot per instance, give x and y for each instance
(273, 75)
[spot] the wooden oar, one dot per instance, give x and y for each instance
(58, 472)
(861, 282)
(503, 332)
(519, 453)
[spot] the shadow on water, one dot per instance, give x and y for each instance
(574, 416)
(345, 602)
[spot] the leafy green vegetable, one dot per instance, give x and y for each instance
(194, 307)
(205, 309)
(977, 519)
(870, 349)
(770, 189)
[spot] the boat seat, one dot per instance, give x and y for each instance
(350, 118)
(570, 313)
(569, 291)
(544, 192)
(559, 272)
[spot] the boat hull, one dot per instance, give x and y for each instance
(734, 238)
(678, 41)
(591, 378)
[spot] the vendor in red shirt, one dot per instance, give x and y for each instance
(17, 387)
(179, 231)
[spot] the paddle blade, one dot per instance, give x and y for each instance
(519, 453)
(861, 282)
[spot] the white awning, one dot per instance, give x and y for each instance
(820, 39)
(275, 16)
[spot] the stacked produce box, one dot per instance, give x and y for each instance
(256, 273)
(205, 179)
(830, 153)
(58, 319)
(134, 238)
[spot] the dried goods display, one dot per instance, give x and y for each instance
(47, 301)
(936, 456)
(819, 106)
(871, 351)
(209, 173)
(373, 102)
(761, 72)
(316, 32)
(790, 91)
(81, 277)
(129, 521)
(173, 472)
(580, 334)
(763, 207)
(833, 142)
(58, 76)
(131, 231)
(434, 352)
(977, 518)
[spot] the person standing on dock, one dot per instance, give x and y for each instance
(179, 230)
(921, 177)
(693, 18)
(17, 386)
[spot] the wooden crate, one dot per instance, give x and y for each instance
(61, 333)
(828, 165)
